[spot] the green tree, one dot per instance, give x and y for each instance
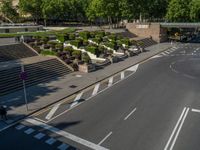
(32, 7)
(178, 11)
(8, 11)
(195, 10)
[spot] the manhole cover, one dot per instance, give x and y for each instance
(72, 86)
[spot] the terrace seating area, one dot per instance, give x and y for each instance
(39, 72)
(15, 51)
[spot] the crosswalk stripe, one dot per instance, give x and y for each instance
(19, 127)
(29, 131)
(39, 136)
(50, 141)
(63, 146)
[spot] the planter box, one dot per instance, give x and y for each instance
(86, 68)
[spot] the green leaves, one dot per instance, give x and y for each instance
(195, 10)
(183, 10)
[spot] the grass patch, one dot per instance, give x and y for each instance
(45, 33)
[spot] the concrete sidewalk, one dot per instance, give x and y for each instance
(43, 95)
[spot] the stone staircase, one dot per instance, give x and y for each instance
(38, 72)
(15, 51)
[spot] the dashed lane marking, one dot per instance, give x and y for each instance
(105, 138)
(130, 113)
(66, 134)
(52, 112)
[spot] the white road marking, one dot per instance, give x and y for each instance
(66, 135)
(196, 110)
(122, 75)
(133, 68)
(29, 131)
(86, 99)
(19, 127)
(50, 141)
(78, 97)
(107, 136)
(52, 112)
(156, 56)
(39, 136)
(96, 88)
(130, 113)
(173, 132)
(179, 129)
(63, 146)
(110, 82)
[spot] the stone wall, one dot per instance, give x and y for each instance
(148, 30)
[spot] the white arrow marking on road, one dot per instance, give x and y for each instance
(133, 68)
(52, 112)
(122, 75)
(110, 82)
(78, 97)
(96, 88)
(66, 134)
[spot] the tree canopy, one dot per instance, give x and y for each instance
(110, 11)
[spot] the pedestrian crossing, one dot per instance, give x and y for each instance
(168, 52)
(51, 141)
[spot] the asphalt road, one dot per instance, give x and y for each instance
(157, 108)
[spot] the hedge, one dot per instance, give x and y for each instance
(112, 45)
(85, 35)
(47, 52)
(72, 36)
(76, 53)
(62, 37)
(97, 40)
(93, 50)
(113, 37)
(69, 49)
(125, 41)
(76, 43)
